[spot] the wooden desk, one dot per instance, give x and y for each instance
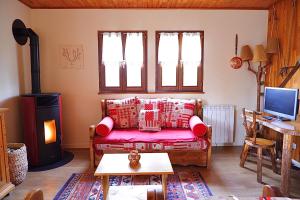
(288, 129)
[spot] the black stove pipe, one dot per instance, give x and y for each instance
(35, 61)
(21, 34)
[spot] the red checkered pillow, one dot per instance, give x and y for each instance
(150, 120)
(123, 112)
(153, 104)
(178, 112)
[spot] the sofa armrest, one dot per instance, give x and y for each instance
(92, 131)
(209, 139)
(209, 133)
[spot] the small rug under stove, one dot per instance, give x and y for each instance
(187, 183)
(67, 157)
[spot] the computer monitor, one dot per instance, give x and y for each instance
(282, 102)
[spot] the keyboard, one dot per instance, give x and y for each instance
(268, 117)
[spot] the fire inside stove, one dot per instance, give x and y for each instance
(50, 131)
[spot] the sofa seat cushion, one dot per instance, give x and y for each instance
(124, 140)
(135, 136)
(201, 144)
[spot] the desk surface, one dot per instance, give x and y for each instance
(284, 127)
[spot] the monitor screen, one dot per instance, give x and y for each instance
(281, 102)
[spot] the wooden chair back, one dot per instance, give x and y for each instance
(36, 194)
(250, 127)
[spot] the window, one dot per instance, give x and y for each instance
(179, 61)
(122, 61)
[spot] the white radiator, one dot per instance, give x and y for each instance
(221, 117)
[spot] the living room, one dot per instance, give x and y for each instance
(66, 58)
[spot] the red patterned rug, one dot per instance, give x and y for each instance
(186, 184)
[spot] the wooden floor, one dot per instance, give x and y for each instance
(224, 178)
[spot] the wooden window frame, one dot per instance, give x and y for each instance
(123, 88)
(179, 69)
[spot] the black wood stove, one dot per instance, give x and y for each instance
(41, 112)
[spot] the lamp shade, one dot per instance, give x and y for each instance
(246, 53)
(259, 54)
(273, 46)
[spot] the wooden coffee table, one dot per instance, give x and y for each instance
(118, 165)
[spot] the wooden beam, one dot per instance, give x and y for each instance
(150, 4)
(290, 75)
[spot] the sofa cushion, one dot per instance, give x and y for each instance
(178, 112)
(200, 144)
(149, 120)
(134, 136)
(197, 126)
(152, 104)
(105, 126)
(123, 112)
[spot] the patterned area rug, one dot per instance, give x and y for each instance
(185, 184)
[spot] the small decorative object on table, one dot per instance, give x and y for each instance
(134, 158)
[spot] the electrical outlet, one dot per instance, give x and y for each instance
(294, 146)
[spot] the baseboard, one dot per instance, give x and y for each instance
(226, 144)
(76, 146)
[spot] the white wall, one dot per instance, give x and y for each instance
(79, 88)
(14, 62)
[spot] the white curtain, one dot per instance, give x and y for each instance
(112, 58)
(191, 57)
(168, 57)
(134, 58)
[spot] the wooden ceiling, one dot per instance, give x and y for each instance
(150, 4)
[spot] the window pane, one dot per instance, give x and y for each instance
(190, 75)
(112, 75)
(168, 57)
(169, 74)
(111, 58)
(134, 59)
(191, 58)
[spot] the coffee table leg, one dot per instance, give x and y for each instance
(164, 184)
(105, 185)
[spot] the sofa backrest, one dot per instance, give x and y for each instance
(198, 108)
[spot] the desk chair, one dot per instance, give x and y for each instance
(258, 143)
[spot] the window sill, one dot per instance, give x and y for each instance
(160, 92)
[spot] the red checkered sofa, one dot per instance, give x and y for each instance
(180, 143)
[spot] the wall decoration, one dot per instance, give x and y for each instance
(71, 56)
